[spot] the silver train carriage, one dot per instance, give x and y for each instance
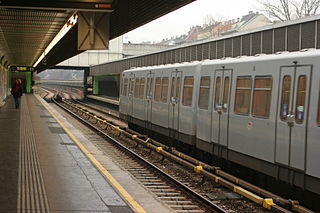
(262, 112)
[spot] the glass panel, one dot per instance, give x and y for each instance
(173, 84)
(151, 87)
(318, 118)
(243, 95)
(263, 82)
(262, 97)
(136, 89)
(121, 86)
(244, 83)
(226, 94)
(204, 92)
(187, 91)
(125, 87)
(164, 92)
(157, 92)
(300, 101)
(148, 88)
(178, 89)
(142, 80)
(131, 86)
(217, 92)
(285, 97)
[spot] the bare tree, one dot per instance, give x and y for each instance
(208, 20)
(283, 10)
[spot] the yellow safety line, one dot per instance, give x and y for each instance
(113, 181)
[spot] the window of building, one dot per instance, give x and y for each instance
(285, 97)
(187, 91)
(204, 92)
(243, 95)
(217, 92)
(141, 88)
(262, 97)
(164, 89)
(157, 91)
(301, 98)
(226, 89)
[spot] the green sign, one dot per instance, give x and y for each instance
(22, 68)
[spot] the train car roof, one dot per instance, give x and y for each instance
(266, 57)
(164, 66)
(241, 59)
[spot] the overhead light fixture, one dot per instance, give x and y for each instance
(65, 29)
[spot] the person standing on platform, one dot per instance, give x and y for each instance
(16, 92)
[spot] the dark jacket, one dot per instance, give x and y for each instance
(16, 90)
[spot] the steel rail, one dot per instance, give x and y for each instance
(152, 166)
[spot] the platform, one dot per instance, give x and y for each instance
(42, 168)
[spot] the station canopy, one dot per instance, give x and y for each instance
(43, 33)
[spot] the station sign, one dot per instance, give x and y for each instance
(79, 5)
(21, 69)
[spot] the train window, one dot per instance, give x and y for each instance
(318, 117)
(204, 92)
(177, 95)
(136, 88)
(149, 88)
(125, 87)
(131, 86)
(226, 88)
(141, 88)
(173, 84)
(164, 89)
(157, 92)
(175, 88)
(262, 97)
(243, 95)
(217, 92)
(285, 97)
(300, 100)
(121, 86)
(187, 91)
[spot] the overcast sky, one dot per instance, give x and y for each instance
(179, 21)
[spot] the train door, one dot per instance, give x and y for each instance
(130, 94)
(174, 105)
(291, 132)
(149, 97)
(220, 111)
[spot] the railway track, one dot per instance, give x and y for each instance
(178, 198)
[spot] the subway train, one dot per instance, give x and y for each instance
(261, 112)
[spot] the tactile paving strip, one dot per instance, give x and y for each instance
(31, 190)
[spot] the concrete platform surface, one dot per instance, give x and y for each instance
(42, 169)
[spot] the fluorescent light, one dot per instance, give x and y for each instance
(65, 29)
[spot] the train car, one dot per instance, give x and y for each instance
(261, 112)
(150, 98)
